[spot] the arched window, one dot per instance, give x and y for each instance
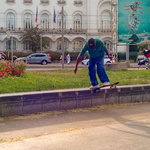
(27, 21)
(78, 23)
(59, 45)
(10, 21)
(47, 43)
(27, 45)
(108, 45)
(106, 21)
(45, 21)
(59, 21)
(9, 45)
(78, 45)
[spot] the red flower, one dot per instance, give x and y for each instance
(1, 74)
(15, 70)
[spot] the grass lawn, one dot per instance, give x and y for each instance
(66, 79)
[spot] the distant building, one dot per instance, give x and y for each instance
(82, 19)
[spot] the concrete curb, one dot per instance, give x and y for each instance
(43, 101)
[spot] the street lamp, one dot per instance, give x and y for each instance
(12, 46)
(62, 3)
(8, 33)
(41, 42)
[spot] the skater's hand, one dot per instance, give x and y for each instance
(75, 70)
(111, 58)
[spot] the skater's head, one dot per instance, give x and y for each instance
(91, 43)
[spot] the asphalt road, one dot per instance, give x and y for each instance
(111, 127)
(54, 66)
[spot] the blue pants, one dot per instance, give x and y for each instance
(97, 65)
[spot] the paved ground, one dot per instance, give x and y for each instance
(111, 127)
(53, 66)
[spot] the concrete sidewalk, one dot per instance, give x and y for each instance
(111, 127)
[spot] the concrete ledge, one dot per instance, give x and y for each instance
(117, 66)
(34, 102)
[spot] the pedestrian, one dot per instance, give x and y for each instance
(60, 59)
(96, 50)
(49, 56)
(14, 58)
(68, 58)
(2, 55)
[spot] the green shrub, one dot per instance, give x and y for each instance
(17, 54)
(8, 69)
(121, 56)
(132, 56)
(56, 55)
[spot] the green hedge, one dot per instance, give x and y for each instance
(17, 54)
(132, 56)
(54, 55)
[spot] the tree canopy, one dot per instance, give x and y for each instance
(33, 35)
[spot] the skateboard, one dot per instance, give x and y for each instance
(111, 86)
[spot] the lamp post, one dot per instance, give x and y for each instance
(62, 3)
(41, 42)
(62, 37)
(12, 45)
(114, 28)
(9, 35)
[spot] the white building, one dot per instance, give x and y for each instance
(82, 19)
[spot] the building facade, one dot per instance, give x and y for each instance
(82, 19)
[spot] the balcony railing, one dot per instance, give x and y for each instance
(104, 30)
(50, 31)
(11, 29)
(66, 31)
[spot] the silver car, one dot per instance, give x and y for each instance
(36, 58)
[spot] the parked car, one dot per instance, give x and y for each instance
(106, 60)
(36, 58)
(142, 62)
(140, 57)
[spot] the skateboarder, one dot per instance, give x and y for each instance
(96, 50)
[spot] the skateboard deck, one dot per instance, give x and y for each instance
(111, 86)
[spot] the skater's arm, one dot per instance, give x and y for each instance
(78, 60)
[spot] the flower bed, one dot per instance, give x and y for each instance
(15, 69)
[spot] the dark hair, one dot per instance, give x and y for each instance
(91, 43)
